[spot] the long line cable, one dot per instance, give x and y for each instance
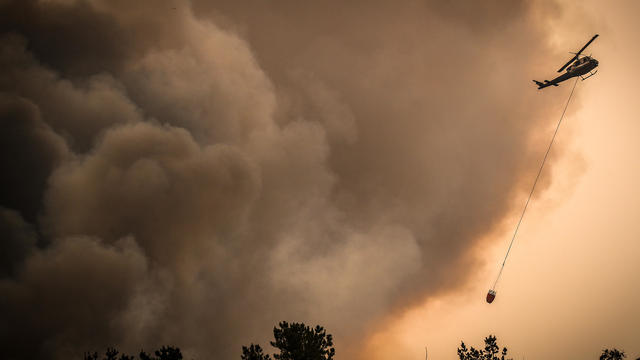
(535, 182)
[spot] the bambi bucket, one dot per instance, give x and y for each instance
(491, 295)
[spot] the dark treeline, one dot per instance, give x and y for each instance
(165, 353)
(492, 351)
(297, 341)
(294, 341)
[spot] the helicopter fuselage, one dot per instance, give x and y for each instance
(580, 67)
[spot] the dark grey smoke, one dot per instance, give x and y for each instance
(191, 173)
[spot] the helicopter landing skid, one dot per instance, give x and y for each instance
(590, 75)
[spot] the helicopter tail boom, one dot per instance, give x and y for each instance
(544, 84)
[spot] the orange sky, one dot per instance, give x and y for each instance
(570, 287)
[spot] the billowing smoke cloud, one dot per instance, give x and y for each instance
(192, 173)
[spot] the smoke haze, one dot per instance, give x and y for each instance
(191, 173)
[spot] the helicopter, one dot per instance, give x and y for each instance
(581, 66)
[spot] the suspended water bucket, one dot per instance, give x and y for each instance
(490, 296)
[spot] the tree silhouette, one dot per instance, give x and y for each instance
(612, 354)
(165, 353)
(110, 354)
(299, 342)
(296, 341)
(254, 352)
(490, 352)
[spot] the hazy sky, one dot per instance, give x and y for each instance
(570, 287)
(193, 172)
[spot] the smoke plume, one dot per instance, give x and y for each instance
(192, 173)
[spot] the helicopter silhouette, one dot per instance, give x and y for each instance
(581, 66)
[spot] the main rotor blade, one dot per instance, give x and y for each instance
(578, 53)
(590, 41)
